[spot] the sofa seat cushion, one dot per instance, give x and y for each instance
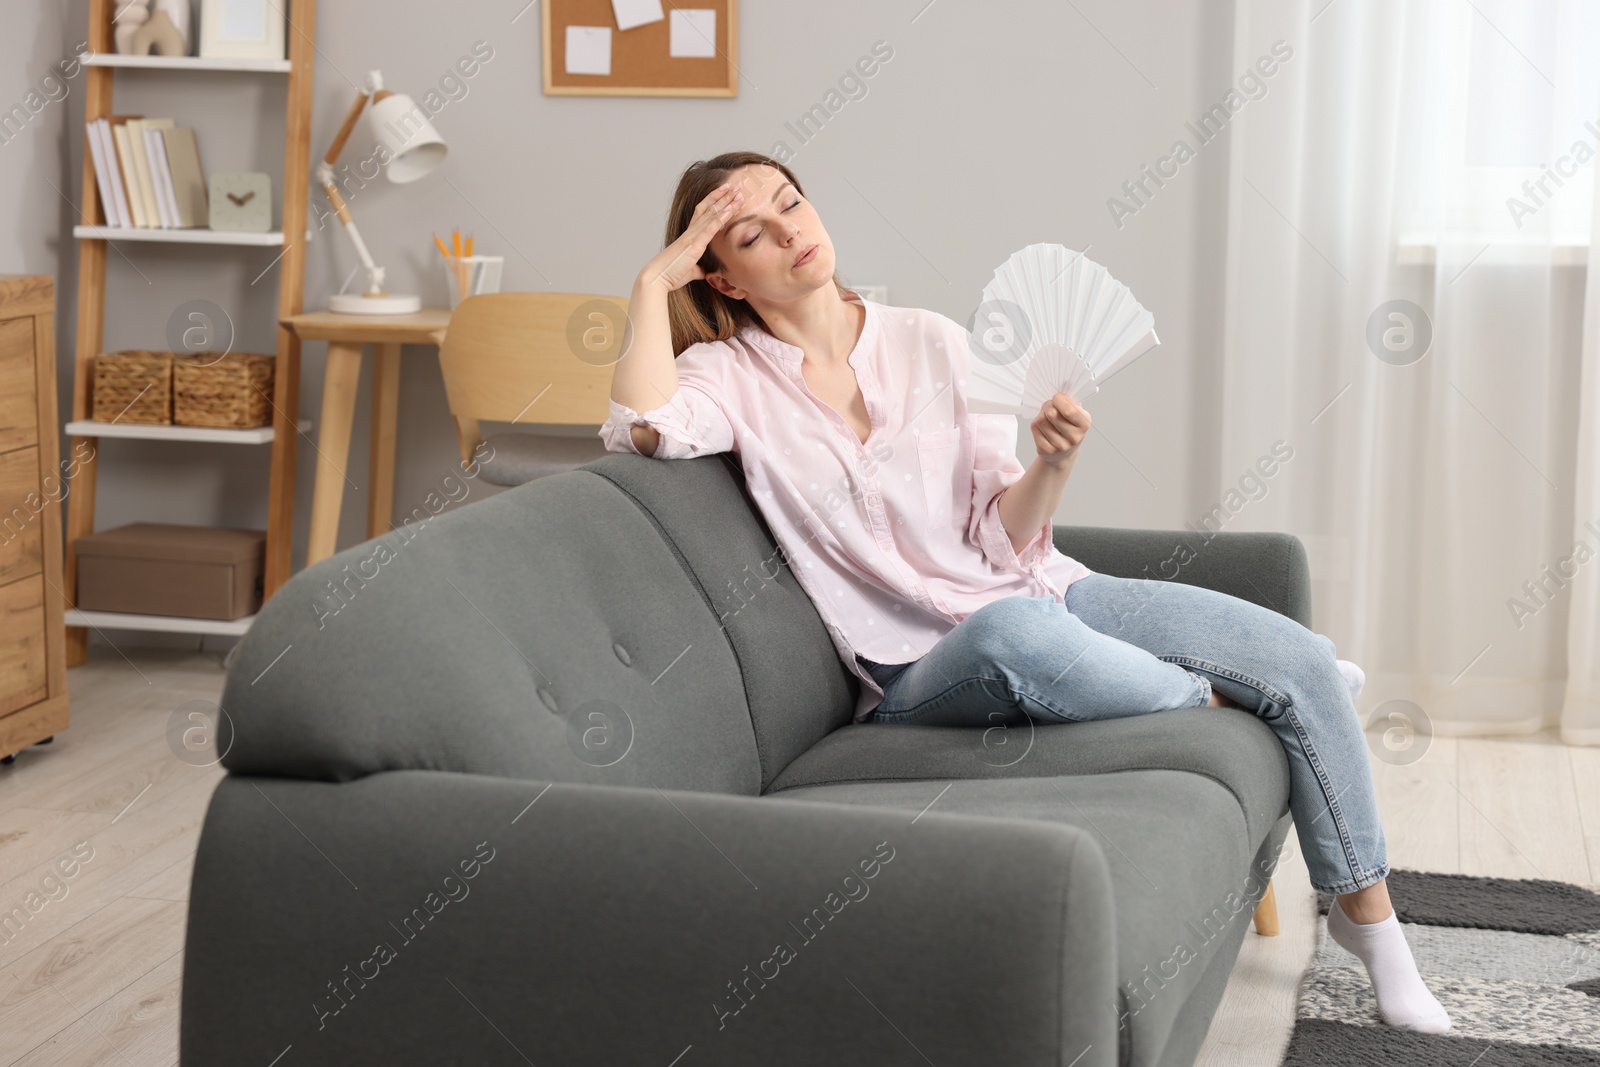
(519, 457)
(1232, 747)
(1180, 860)
(1180, 801)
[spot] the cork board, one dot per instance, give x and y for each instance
(641, 61)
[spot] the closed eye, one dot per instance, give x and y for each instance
(753, 240)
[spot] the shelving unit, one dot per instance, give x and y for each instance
(94, 235)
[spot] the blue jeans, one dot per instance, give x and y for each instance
(1129, 646)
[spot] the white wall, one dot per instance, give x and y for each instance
(34, 101)
(991, 127)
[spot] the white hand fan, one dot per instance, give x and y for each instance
(1051, 322)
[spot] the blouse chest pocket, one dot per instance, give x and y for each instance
(937, 454)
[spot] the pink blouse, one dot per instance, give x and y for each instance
(895, 539)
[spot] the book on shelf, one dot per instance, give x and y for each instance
(102, 176)
(108, 172)
(148, 173)
(155, 152)
(190, 198)
(122, 135)
(151, 150)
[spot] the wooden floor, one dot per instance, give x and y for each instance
(92, 977)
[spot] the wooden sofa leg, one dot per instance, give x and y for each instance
(1267, 914)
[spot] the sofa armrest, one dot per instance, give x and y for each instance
(432, 917)
(1268, 569)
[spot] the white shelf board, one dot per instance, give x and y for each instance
(198, 235)
(174, 624)
(113, 59)
(145, 432)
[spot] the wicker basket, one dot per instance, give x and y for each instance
(233, 390)
(133, 386)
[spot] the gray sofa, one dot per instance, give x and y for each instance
(562, 777)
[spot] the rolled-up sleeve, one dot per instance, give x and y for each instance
(690, 424)
(995, 468)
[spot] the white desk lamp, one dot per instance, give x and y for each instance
(414, 148)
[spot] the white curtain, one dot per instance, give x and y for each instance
(1427, 345)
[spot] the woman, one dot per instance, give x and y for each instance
(927, 548)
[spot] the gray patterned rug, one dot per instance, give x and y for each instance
(1516, 963)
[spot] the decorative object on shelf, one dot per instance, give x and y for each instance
(153, 568)
(181, 17)
(133, 385)
(166, 30)
(409, 147)
(130, 15)
(241, 202)
(1051, 322)
(241, 29)
(231, 390)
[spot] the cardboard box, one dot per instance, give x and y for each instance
(151, 568)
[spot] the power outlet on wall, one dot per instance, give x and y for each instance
(878, 294)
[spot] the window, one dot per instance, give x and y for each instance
(1501, 123)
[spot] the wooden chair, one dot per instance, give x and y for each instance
(533, 359)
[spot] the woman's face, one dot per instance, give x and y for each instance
(772, 227)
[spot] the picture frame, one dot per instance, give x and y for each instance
(241, 29)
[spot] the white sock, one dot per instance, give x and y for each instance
(1354, 677)
(1404, 1001)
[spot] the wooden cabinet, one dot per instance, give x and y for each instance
(33, 481)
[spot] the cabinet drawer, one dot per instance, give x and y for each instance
(22, 668)
(21, 518)
(19, 410)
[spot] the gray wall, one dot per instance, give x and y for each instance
(991, 127)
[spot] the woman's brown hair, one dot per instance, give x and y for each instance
(696, 311)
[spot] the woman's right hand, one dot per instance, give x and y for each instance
(679, 263)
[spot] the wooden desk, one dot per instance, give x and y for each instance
(347, 337)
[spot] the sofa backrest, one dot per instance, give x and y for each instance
(797, 690)
(582, 627)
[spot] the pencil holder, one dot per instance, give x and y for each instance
(472, 276)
